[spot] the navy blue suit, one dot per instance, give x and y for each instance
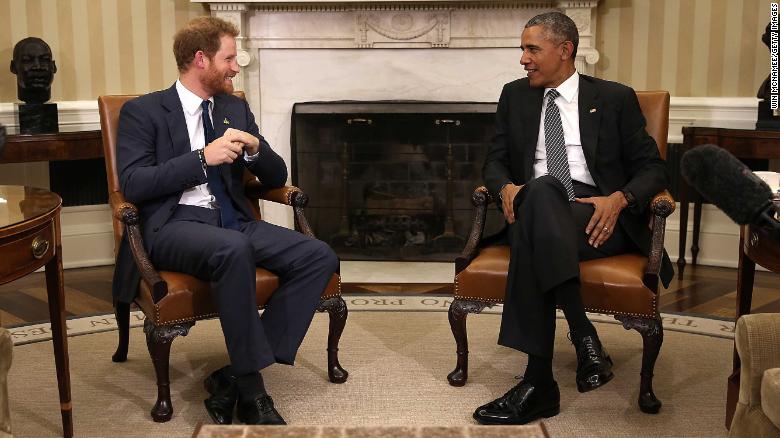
(155, 164)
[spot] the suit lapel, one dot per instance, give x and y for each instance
(532, 105)
(590, 117)
(177, 126)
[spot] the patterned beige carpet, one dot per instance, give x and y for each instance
(398, 362)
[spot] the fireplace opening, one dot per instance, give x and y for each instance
(392, 180)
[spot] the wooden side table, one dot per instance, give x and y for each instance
(756, 245)
(60, 146)
(743, 143)
(30, 239)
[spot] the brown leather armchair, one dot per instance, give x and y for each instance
(171, 301)
(625, 286)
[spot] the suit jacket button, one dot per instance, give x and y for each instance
(156, 229)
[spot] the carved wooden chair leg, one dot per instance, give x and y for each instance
(122, 314)
(459, 310)
(158, 341)
(338, 312)
(652, 332)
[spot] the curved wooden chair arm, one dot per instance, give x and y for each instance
(661, 206)
(480, 199)
(127, 213)
(287, 195)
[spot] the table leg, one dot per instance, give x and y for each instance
(682, 194)
(696, 230)
(56, 295)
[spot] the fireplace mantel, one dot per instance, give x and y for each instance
(407, 24)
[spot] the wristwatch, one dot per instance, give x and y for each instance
(629, 197)
(500, 196)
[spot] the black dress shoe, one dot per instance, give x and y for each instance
(594, 366)
(522, 404)
(221, 385)
(259, 410)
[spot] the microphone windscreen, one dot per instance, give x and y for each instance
(726, 182)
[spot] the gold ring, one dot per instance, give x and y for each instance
(606, 229)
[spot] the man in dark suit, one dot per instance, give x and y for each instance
(574, 170)
(181, 155)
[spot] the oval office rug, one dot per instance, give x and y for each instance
(398, 351)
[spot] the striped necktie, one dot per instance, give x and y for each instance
(557, 161)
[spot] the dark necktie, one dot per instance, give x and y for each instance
(557, 161)
(227, 213)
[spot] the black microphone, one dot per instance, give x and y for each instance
(731, 186)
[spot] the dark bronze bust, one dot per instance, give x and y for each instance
(34, 68)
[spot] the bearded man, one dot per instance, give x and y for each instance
(181, 156)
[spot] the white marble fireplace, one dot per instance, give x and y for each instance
(447, 50)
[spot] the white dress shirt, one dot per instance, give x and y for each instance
(199, 196)
(567, 103)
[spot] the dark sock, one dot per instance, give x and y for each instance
(539, 370)
(250, 385)
(569, 299)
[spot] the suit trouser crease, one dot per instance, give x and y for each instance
(547, 243)
(193, 243)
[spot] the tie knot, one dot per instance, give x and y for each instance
(205, 105)
(552, 94)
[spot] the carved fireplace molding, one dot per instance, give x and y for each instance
(409, 24)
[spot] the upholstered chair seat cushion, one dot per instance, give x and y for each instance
(189, 298)
(614, 283)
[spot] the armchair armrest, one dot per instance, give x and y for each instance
(661, 206)
(480, 199)
(757, 340)
(287, 195)
(127, 213)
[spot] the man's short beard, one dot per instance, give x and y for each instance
(215, 82)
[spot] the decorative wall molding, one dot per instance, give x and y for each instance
(88, 236)
(722, 112)
(76, 115)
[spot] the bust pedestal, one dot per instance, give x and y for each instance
(37, 118)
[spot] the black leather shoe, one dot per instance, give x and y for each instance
(259, 410)
(594, 366)
(221, 385)
(522, 404)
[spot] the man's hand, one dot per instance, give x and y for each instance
(508, 193)
(602, 223)
(250, 142)
(222, 150)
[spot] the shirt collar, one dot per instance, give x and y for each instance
(190, 101)
(569, 88)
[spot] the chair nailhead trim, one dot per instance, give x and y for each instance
(591, 309)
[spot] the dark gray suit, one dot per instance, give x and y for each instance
(548, 238)
(155, 164)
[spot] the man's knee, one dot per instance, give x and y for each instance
(546, 188)
(322, 254)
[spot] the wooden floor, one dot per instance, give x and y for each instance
(704, 291)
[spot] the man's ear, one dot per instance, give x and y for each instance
(53, 67)
(566, 49)
(199, 61)
(13, 67)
